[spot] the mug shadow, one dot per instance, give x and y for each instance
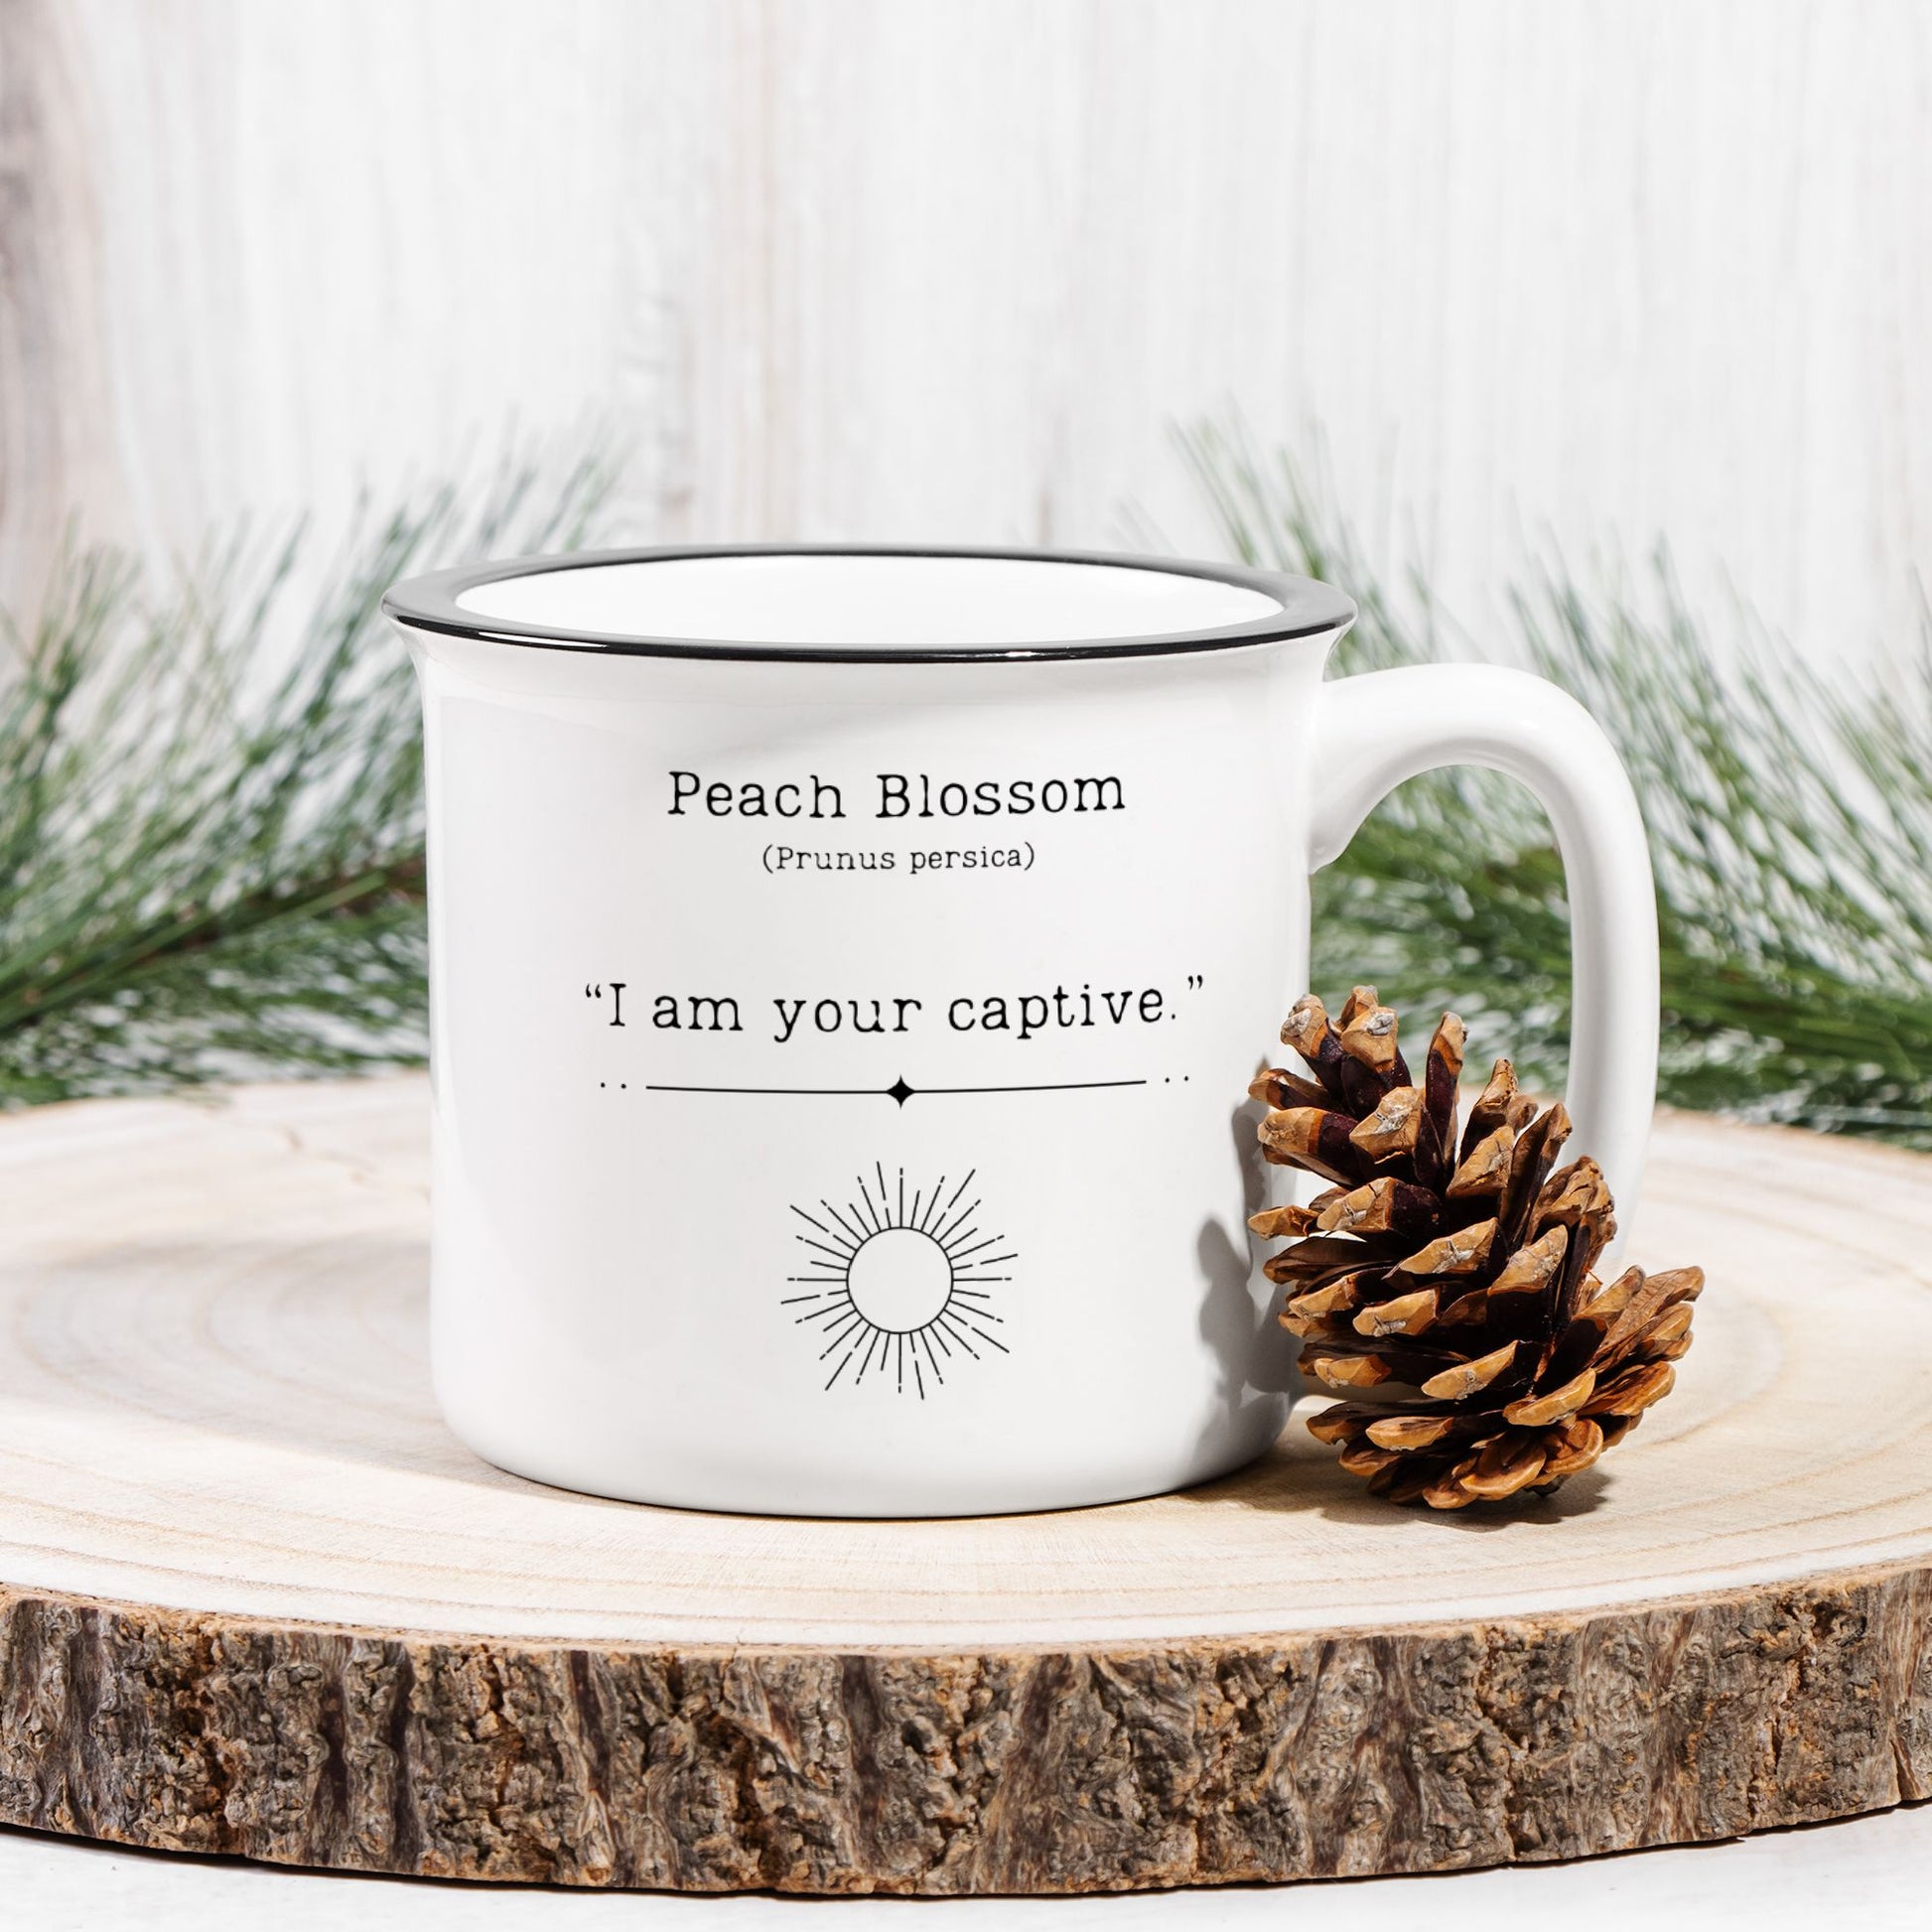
(1299, 1476)
(1254, 1354)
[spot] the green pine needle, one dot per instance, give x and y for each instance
(206, 873)
(1790, 826)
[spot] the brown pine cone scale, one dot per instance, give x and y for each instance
(1452, 1273)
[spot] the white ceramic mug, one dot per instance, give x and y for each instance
(847, 970)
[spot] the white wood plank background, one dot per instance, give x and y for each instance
(1588, 271)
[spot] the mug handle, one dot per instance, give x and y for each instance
(1383, 727)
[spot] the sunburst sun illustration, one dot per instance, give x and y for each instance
(900, 1289)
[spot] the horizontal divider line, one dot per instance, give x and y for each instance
(654, 1088)
(912, 1093)
(1048, 1086)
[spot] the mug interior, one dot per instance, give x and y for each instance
(871, 601)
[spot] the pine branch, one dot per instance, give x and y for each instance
(208, 872)
(1790, 823)
(204, 876)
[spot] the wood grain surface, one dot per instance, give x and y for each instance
(952, 269)
(255, 1598)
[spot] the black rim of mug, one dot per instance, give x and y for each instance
(1308, 608)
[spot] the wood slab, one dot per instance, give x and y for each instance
(255, 1598)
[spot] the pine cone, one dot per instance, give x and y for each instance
(1455, 1275)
